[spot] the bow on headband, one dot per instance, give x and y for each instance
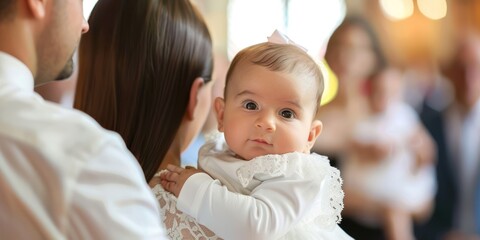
(280, 38)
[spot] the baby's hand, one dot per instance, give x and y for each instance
(174, 179)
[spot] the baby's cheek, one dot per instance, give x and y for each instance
(304, 147)
(292, 146)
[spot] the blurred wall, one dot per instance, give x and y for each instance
(215, 13)
(418, 40)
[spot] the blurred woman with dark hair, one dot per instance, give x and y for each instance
(354, 54)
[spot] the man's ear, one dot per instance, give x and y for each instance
(315, 131)
(193, 100)
(219, 105)
(37, 8)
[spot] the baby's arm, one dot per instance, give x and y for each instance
(423, 147)
(268, 213)
(373, 151)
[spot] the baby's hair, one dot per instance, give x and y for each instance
(280, 58)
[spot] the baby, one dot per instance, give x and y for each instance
(260, 180)
(386, 161)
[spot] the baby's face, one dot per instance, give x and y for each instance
(267, 112)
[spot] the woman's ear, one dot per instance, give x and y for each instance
(193, 100)
(38, 7)
(315, 131)
(219, 110)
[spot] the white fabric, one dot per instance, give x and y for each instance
(392, 179)
(290, 196)
(61, 175)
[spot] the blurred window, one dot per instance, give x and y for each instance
(307, 22)
(87, 7)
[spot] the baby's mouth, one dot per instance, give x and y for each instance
(262, 141)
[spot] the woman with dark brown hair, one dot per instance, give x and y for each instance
(144, 72)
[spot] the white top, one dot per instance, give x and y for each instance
(290, 196)
(395, 126)
(62, 176)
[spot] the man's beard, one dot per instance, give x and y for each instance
(66, 72)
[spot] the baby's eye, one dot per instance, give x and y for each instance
(250, 105)
(287, 113)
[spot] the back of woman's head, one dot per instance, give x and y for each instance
(136, 67)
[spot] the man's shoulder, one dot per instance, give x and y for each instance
(45, 125)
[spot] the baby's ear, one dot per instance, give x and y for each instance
(219, 110)
(315, 131)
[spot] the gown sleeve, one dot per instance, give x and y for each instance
(273, 207)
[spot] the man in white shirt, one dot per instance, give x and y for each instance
(62, 176)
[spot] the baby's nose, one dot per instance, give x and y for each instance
(266, 122)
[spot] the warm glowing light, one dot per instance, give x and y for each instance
(397, 9)
(433, 9)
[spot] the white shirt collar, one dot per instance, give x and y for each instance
(14, 72)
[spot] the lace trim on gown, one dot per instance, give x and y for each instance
(318, 167)
(179, 225)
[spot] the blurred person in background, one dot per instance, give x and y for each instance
(457, 132)
(353, 53)
(391, 158)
